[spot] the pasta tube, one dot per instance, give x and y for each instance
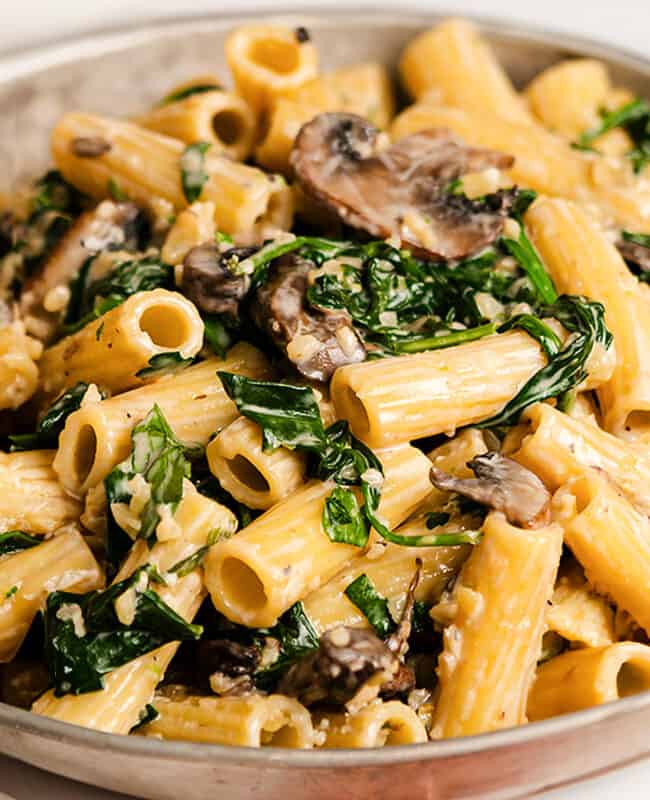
(115, 709)
(221, 118)
(585, 678)
(268, 61)
(31, 497)
(500, 601)
(255, 478)
(395, 400)
(578, 614)
(111, 350)
(543, 161)
(146, 167)
(379, 724)
(610, 538)
(98, 436)
(19, 354)
(61, 563)
(253, 721)
(192, 227)
(284, 554)
(453, 60)
(581, 260)
(558, 448)
(391, 571)
(363, 89)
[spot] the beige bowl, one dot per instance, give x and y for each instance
(120, 73)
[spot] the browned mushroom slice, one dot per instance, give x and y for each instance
(108, 226)
(635, 254)
(400, 190)
(316, 341)
(209, 282)
(348, 669)
(501, 484)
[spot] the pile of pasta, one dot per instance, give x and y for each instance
(285, 466)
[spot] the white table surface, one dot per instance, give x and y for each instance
(27, 22)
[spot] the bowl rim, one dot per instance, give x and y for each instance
(22, 63)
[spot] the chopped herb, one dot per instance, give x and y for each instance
(11, 592)
(160, 458)
(634, 119)
(343, 519)
(115, 191)
(48, 429)
(437, 518)
(362, 593)
(223, 238)
(193, 174)
(15, 541)
(77, 659)
(182, 94)
(99, 331)
(189, 564)
(164, 364)
(296, 636)
(148, 714)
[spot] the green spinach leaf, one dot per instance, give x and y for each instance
(15, 541)
(85, 638)
(362, 593)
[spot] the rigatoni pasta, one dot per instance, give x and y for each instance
(378, 478)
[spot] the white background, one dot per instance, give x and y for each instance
(28, 22)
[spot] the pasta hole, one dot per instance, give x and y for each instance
(275, 55)
(638, 421)
(356, 410)
(583, 495)
(85, 452)
(241, 584)
(284, 736)
(632, 679)
(248, 474)
(393, 732)
(228, 126)
(166, 326)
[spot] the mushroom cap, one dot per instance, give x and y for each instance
(400, 190)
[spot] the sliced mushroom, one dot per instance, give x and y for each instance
(209, 282)
(316, 341)
(502, 484)
(635, 254)
(227, 656)
(108, 226)
(348, 669)
(400, 190)
(398, 641)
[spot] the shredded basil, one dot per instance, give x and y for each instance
(77, 663)
(193, 174)
(15, 541)
(217, 334)
(362, 593)
(642, 239)
(48, 429)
